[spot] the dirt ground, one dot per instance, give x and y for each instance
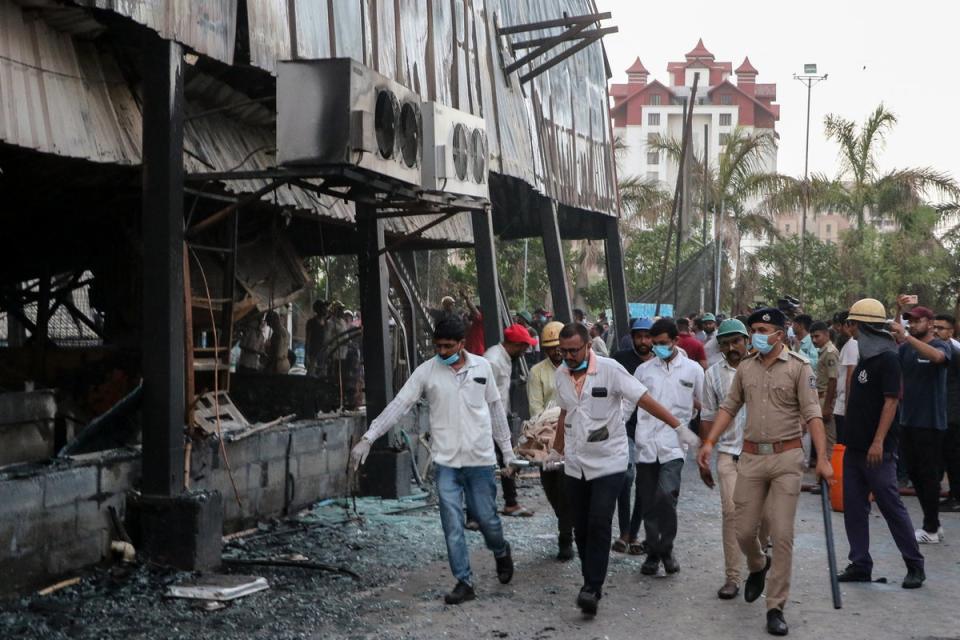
(396, 548)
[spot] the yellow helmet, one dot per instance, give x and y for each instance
(551, 334)
(867, 310)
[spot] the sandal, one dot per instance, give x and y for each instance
(517, 512)
(619, 546)
(637, 548)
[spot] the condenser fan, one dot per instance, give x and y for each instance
(410, 128)
(460, 151)
(478, 155)
(386, 121)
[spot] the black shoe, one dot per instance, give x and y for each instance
(728, 591)
(753, 587)
(914, 578)
(854, 574)
(588, 601)
(565, 552)
(505, 567)
(670, 564)
(650, 565)
(461, 593)
(776, 625)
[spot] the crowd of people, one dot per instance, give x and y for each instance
(770, 394)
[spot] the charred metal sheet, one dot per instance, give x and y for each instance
(59, 94)
(206, 26)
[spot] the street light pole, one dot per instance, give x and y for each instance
(809, 78)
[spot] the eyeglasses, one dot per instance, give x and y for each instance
(571, 352)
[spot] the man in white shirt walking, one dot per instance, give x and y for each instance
(592, 440)
(466, 417)
(849, 355)
(676, 382)
(516, 341)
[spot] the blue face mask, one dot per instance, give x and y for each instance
(580, 367)
(761, 343)
(662, 351)
(450, 360)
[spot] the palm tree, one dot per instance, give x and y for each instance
(860, 191)
(732, 189)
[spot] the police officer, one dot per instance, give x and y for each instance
(592, 438)
(779, 390)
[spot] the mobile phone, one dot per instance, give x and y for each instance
(911, 299)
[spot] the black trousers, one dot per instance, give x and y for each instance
(509, 484)
(659, 488)
(592, 503)
(553, 485)
(951, 458)
(923, 452)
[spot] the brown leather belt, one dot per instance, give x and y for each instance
(766, 448)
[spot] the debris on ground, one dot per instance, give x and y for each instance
(219, 587)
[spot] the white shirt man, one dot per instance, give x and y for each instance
(466, 417)
(676, 382)
(502, 365)
(849, 355)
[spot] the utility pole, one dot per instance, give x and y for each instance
(703, 210)
(809, 78)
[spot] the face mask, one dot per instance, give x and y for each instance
(662, 351)
(580, 367)
(450, 360)
(761, 343)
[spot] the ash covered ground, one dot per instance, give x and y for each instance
(396, 548)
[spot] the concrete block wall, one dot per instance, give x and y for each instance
(55, 519)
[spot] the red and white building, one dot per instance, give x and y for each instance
(726, 97)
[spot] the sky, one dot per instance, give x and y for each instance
(904, 54)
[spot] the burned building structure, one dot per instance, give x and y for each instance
(165, 169)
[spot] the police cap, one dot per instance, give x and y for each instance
(768, 315)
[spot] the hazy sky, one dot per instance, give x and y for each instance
(905, 54)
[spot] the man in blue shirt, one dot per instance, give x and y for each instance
(869, 463)
(924, 361)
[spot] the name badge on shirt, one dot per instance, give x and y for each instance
(480, 380)
(687, 383)
(599, 392)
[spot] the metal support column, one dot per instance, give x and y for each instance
(374, 280)
(387, 472)
(556, 270)
(487, 277)
(616, 276)
(163, 235)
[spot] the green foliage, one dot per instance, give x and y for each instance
(866, 263)
(643, 257)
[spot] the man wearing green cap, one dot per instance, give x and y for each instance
(710, 346)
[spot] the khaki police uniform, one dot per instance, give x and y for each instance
(778, 399)
(828, 367)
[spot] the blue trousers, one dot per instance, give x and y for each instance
(859, 480)
(477, 486)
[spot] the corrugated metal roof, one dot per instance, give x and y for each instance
(63, 96)
(553, 134)
(206, 26)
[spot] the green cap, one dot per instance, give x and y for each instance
(526, 316)
(708, 317)
(731, 325)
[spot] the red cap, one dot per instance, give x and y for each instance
(918, 312)
(517, 333)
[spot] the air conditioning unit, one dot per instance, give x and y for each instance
(338, 112)
(455, 152)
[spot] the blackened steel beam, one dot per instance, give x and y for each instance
(487, 277)
(536, 42)
(548, 24)
(550, 43)
(163, 235)
(557, 59)
(374, 280)
(556, 271)
(616, 276)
